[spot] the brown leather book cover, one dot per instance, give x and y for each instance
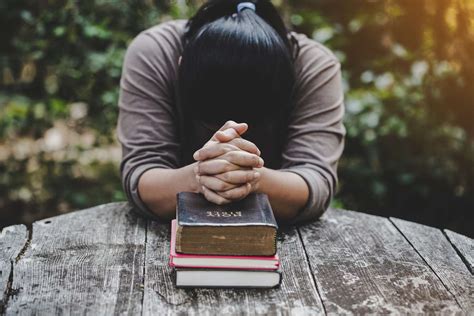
(246, 227)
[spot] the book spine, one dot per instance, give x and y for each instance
(179, 230)
(173, 265)
(275, 243)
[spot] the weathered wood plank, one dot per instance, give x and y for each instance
(465, 246)
(12, 241)
(437, 251)
(362, 264)
(84, 262)
(296, 295)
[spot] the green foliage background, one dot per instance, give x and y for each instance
(408, 74)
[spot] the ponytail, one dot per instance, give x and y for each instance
(215, 9)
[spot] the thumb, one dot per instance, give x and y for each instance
(241, 128)
(231, 133)
(226, 135)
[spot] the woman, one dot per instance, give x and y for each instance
(185, 83)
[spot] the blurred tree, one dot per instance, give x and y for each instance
(408, 74)
(408, 71)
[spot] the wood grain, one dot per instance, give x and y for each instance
(438, 253)
(12, 241)
(465, 247)
(83, 262)
(363, 264)
(296, 295)
(106, 260)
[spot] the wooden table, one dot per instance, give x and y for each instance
(106, 260)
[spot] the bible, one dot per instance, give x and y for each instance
(179, 260)
(242, 228)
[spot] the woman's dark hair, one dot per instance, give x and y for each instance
(236, 65)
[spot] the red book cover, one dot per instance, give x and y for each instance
(179, 260)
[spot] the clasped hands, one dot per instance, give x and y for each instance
(228, 167)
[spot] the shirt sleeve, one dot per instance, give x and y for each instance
(316, 132)
(146, 128)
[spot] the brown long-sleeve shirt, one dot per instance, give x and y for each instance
(149, 120)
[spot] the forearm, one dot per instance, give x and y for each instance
(158, 188)
(288, 192)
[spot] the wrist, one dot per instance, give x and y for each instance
(192, 183)
(260, 185)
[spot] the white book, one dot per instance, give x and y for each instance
(227, 278)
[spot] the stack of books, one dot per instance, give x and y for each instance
(231, 245)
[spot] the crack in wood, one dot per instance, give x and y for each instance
(26, 245)
(426, 262)
(145, 244)
(10, 292)
(459, 252)
(313, 277)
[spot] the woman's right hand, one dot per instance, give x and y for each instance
(227, 168)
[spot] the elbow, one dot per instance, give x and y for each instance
(309, 213)
(319, 200)
(133, 185)
(148, 199)
(150, 210)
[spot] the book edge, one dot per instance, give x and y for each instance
(278, 284)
